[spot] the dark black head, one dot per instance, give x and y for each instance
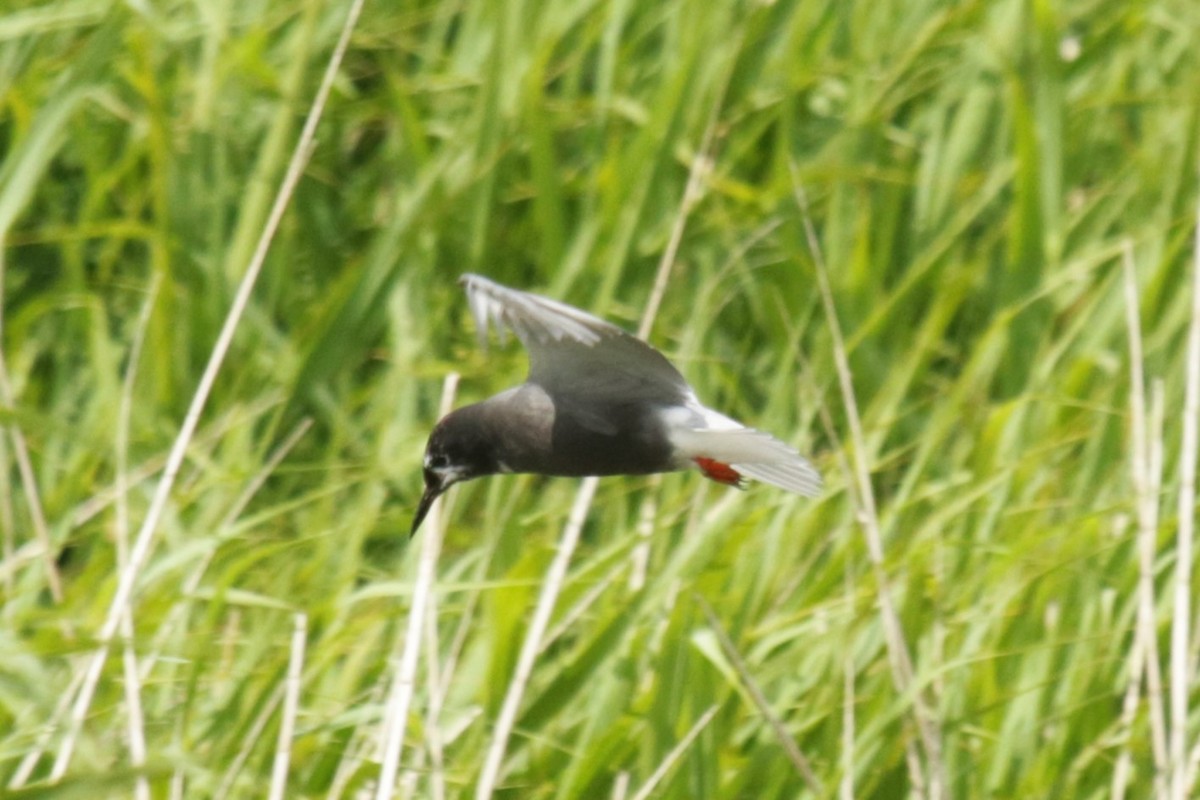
(459, 449)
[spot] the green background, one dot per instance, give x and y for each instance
(973, 171)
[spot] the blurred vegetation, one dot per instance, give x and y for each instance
(973, 170)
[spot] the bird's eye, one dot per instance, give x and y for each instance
(437, 461)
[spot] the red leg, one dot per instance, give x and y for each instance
(721, 473)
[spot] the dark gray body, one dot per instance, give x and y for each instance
(527, 430)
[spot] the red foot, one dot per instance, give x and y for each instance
(721, 473)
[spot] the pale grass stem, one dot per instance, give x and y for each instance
(404, 684)
(1129, 705)
(1140, 664)
(253, 735)
(701, 167)
(458, 642)
(1193, 767)
(15, 561)
(192, 584)
(359, 749)
(274, 459)
(1159, 724)
(41, 531)
(84, 512)
(911, 756)
(141, 548)
(572, 615)
(178, 780)
(898, 651)
(433, 712)
(790, 748)
(8, 569)
(133, 703)
(675, 754)
(556, 575)
(640, 557)
(846, 785)
(291, 705)
(463, 630)
(441, 680)
(1181, 618)
(29, 763)
(132, 682)
(1144, 483)
(33, 499)
(620, 786)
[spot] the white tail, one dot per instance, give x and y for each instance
(753, 453)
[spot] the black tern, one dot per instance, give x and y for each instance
(597, 401)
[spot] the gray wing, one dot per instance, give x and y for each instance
(572, 352)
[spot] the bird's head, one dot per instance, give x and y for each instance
(459, 449)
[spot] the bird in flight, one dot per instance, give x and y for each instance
(597, 401)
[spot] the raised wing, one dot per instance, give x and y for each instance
(572, 352)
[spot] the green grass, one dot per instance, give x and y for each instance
(973, 171)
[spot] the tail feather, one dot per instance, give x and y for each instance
(799, 477)
(753, 453)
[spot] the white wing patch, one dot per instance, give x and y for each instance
(700, 432)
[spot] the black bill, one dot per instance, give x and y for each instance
(431, 494)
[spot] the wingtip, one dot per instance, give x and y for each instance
(481, 298)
